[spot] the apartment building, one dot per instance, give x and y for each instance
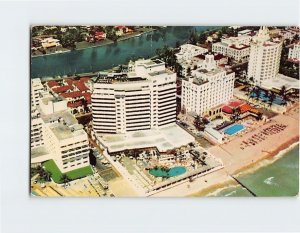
(36, 89)
(36, 129)
(264, 58)
(237, 48)
(294, 53)
(207, 87)
(66, 140)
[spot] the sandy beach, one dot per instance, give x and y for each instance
(237, 160)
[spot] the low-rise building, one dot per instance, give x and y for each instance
(188, 51)
(50, 43)
(235, 47)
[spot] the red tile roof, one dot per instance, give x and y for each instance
(88, 97)
(84, 79)
(100, 33)
(73, 94)
(69, 81)
(80, 85)
(120, 27)
(52, 83)
(245, 108)
(74, 104)
(62, 89)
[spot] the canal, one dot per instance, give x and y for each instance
(108, 56)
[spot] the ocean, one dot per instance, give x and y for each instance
(271, 179)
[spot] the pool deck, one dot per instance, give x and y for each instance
(236, 160)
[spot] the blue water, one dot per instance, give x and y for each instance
(108, 56)
(277, 179)
(234, 129)
(278, 100)
(175, 171)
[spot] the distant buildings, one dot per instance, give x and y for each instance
(144, 98)
(50, 43)
(207, 87)
(235, 47)
(264, 57)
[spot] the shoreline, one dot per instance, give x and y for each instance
(237, 161)
(110, 42)
(248, 169)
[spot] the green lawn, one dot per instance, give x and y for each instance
(73, 175)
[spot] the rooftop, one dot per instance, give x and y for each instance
(62, 131)
(68, 118)
(164, 139)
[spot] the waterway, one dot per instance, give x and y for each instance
(280, 178)
(108, 56)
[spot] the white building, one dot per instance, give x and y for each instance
(244, 32)
(56, 134)
(50, 43)
(264, 57)
(50, 104)
(188, 51)
(294, 53)
(36, 129)
(36, 89)
(142, 99)
(66, 140)
(208, 87)
(235, 47)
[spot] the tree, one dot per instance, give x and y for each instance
(65, 180)
(198, 123)
(271, 97)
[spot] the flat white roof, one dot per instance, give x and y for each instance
(164, 139)
(279, 81)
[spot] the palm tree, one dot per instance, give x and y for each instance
(65, 179)
(271, 97)
(257, 92)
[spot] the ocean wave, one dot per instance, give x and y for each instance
(270, 181)
(230, 194)
(268, 161)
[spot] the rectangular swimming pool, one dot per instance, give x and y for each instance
(234, 129)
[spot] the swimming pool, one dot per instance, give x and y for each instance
(174, 171)
(234, 129)
(278, 100)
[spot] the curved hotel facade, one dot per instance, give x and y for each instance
(142, 99)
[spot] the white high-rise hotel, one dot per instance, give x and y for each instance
(264, 57)
(144, 98)
(207, 87)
